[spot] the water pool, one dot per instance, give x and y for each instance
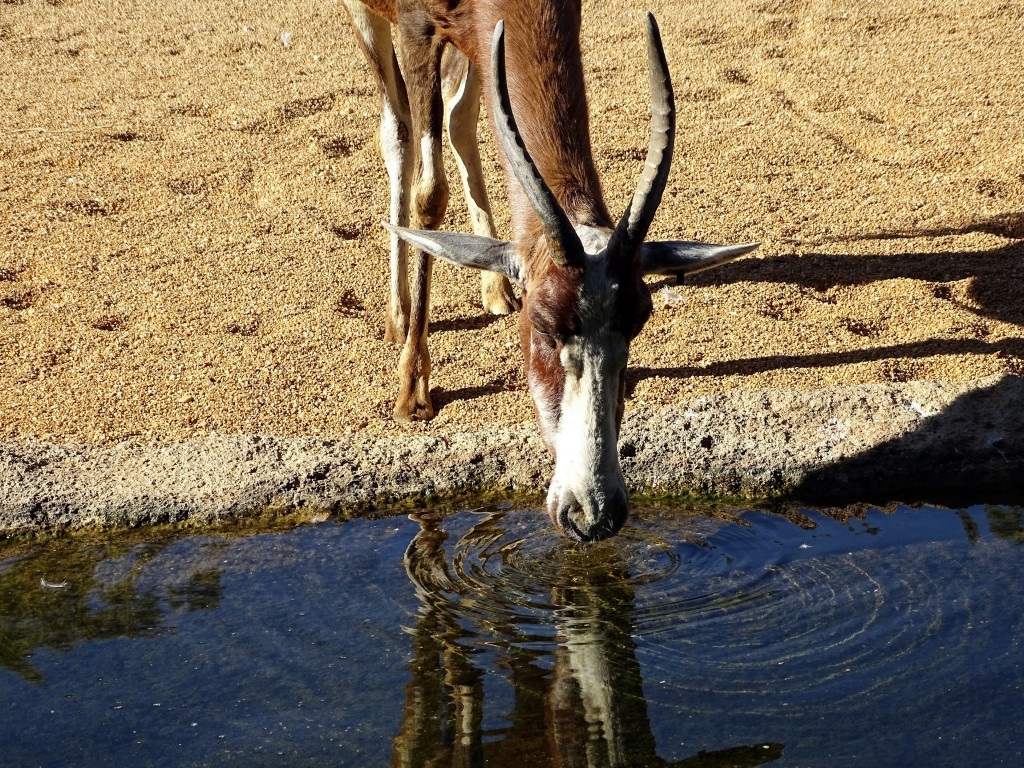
(483, 638)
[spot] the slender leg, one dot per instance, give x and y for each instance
(420, 56)
(374, 36)
(461, 86)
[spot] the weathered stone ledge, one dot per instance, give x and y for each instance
(915, 441)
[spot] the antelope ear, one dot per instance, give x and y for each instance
(467, 250)
(684, 257)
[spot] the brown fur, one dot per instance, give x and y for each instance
(545, 75)
(546, 84)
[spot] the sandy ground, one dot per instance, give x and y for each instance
(190, 193)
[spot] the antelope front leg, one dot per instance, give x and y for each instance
(421, 65)
(462, 114)
(394, 142)
(373, 34)
(413, 402)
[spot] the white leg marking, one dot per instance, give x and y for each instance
(462, 110)
(375, 34)
(395, 151)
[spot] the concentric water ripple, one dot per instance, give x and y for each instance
(730, 614)
(509, 569)
(832, 618)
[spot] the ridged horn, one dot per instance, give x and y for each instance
(563, 242)
(633, 226)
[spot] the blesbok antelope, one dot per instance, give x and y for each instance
(581, 275)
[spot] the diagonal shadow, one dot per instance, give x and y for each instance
(470, 323)
(995, 291)
(973, 452)
(1006, 347)
(1009, 225)
(441, 397)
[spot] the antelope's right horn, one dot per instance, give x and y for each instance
(633, 226)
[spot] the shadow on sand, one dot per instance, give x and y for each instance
(971, 452)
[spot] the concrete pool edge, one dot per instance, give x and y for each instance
(896, 439)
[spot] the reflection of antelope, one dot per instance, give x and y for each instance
(584, 297)
(585, 709)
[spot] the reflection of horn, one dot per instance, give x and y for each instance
(424, 558)
(445, 693)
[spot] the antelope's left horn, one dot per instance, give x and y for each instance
(563, 242)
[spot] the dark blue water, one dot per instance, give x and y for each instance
(483, 638)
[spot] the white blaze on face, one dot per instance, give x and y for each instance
(585, 442)
(587, 465)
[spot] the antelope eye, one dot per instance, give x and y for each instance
(548, 338)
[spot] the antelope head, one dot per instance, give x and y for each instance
(584, 300)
